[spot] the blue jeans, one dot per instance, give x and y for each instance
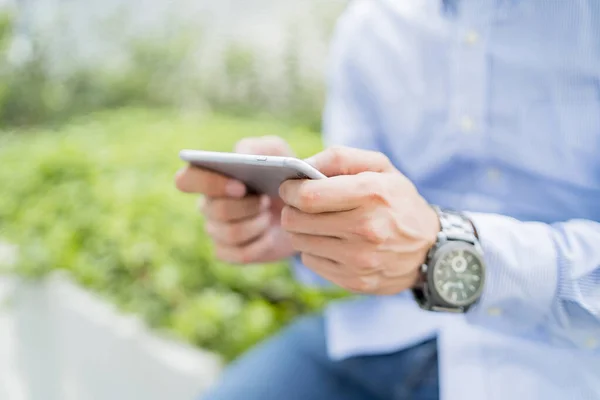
(294, 365)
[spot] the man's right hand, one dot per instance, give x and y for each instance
(245, 228)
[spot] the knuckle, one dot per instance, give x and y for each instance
(372, 231)
(367, 260)
(382, 159)
(372, 187)
(337, 155)
(306, 197)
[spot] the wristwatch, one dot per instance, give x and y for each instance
(453, 274)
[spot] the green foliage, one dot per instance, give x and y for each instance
(94, 194)
(305, 97)
(31, 93)
(96, 199)
(240, 90)
(157, 72)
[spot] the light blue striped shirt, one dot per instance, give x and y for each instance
(491, 107)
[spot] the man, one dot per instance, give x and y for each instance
(488, 107)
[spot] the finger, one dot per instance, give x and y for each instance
(333, 272)
(340, 160)
(230, 210)
(247, 254)
(354, 225)
(196, 180)
(265, 145)
(357, 260)
(324, 267)
(325, 247)
(325, 224)
(240, 232)
(339, 193)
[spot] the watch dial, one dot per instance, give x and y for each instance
(457, 276)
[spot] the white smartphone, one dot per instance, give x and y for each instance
(261, 174)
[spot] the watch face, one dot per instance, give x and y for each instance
(458, 274)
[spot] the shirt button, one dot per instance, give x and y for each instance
(591, 343)
(471, 38)
(467, 124)
(494, 311)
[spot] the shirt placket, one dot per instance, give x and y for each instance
(469, 103)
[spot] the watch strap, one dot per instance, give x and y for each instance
(454, 226)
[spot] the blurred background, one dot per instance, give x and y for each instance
(108, 287)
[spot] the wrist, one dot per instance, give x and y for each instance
(432, 227)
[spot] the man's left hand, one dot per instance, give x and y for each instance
(365, 228)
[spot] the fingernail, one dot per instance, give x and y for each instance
(235, 189)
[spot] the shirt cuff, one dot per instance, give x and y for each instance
(521, 274)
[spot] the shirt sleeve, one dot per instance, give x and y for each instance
(542, 281)
(348, 117)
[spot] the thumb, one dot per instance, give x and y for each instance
(265, 146)
(349, 161)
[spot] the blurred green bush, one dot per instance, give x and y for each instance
(157, 72)
(87, 160)
(96, 198)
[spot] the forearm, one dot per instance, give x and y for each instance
(542, 280)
